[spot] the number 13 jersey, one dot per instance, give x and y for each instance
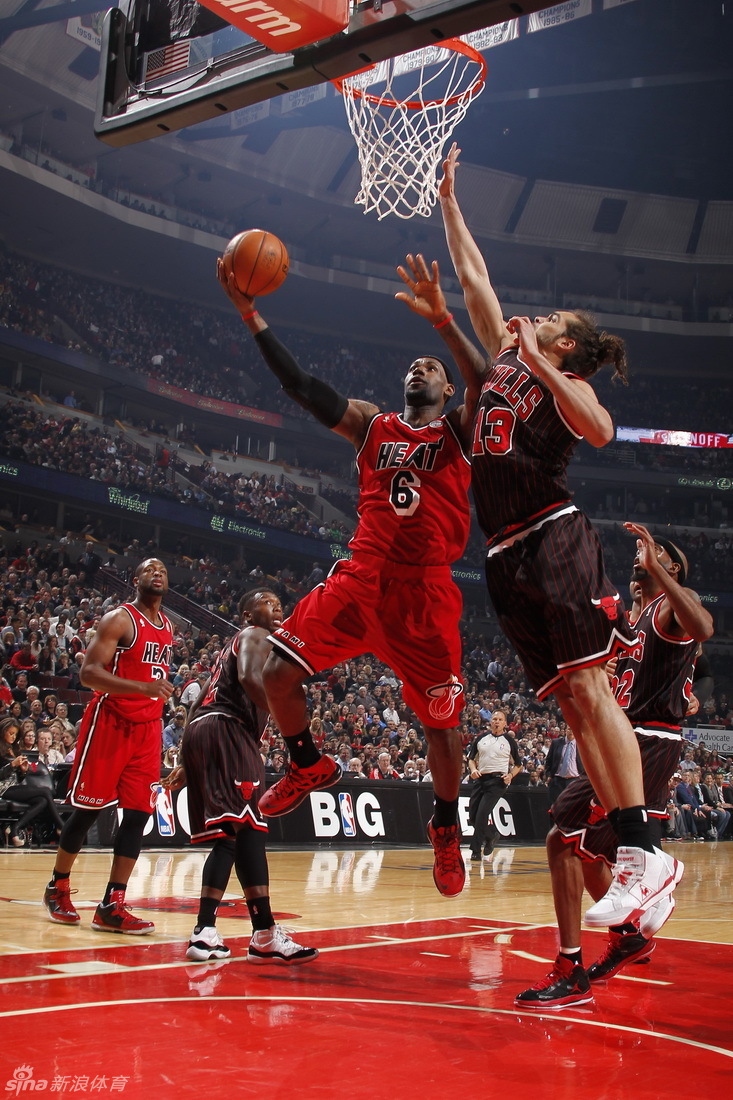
(413, 486)
(520, 450)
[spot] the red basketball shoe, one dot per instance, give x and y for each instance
(296, 785)
(116, 917)
(449, 872)
(57, 901)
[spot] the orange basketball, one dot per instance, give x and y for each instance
(258, 260)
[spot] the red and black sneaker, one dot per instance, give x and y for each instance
(58, 902)
(449, 872)
(116, 917)
(296, 785)
(566, 984)
(620, 950)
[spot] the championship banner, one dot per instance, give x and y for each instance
(561, 13)
(615, 3)
(284, 25)
(87, 29)
(493, 36)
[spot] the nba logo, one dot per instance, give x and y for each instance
(164, 811)
(347, 813)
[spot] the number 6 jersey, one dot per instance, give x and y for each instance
(413, 492)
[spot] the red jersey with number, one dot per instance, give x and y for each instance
(413, 492)
(520, 450)
(146, 658)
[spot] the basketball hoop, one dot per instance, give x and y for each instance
(400, 134)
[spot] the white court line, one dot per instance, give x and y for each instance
(322, 951)
(352, 1000)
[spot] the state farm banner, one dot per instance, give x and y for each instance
(213, 404)
(284, 25)
(561, 13)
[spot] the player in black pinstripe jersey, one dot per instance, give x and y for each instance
(223, 770)
(544, 566)
(653, 684)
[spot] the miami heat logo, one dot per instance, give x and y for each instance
(442, 698)
(608, 604)
(247, 787)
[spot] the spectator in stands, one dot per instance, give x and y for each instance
(384, 769)
(14, 787)
(193, 688)
(717, 816)
(46, 753)
(173, 732)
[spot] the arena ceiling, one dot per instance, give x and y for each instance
(634, 98)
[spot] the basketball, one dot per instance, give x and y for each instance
(258, 260)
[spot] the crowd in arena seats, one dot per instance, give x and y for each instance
(207, 352)
(69, 445)
(50, 608)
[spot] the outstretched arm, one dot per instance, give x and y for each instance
(482, 303)
(347, 418)
(426, 298)
(682, 610)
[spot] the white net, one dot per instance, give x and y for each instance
(402, 113)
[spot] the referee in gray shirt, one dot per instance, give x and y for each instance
(493, 761)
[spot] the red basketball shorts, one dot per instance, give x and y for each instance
(116, 761)
(406, 615)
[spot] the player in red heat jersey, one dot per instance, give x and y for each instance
(544, 564)
(395, 597)
(118, 752)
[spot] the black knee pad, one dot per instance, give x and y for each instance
(74, 832)
(219, 863)
(250, 859)
(129, 839)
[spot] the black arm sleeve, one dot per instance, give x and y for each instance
(320, 399)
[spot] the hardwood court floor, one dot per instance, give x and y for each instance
(412, 995)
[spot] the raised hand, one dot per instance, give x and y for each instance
(425, 295)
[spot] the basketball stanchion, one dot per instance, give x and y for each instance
(402, 113)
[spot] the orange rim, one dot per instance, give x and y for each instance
(454, 44)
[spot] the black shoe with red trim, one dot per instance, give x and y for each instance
(566, 984)
(620, 950)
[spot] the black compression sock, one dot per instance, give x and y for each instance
(260, 913)
(58, 876)
(303, 752)
(207, 912)
(110, 887)
(633, 830)
(445, 813)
